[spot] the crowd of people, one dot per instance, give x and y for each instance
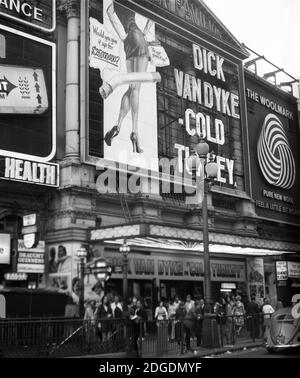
(180, 320)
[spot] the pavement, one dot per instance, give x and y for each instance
(261, 353)
(196, 353)
(205, 352)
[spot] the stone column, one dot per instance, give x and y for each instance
(72, 152)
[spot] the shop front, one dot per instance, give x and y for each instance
(161, 275)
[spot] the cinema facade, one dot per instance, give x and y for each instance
(152, 76)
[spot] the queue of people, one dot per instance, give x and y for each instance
(179, 321)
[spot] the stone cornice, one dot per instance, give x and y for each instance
(71, 8)
(190, 234)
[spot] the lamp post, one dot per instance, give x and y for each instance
(81, 254)
(210, 170)
(125, 250)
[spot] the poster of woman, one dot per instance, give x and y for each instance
(256, 278)
(122, 49)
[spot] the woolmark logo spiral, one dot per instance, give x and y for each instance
(274, 154)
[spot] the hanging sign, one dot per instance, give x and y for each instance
(281, 270)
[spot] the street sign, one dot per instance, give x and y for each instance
(16, 277)
(22, 90)
(100, 269)
(30, 230)
(29, 220)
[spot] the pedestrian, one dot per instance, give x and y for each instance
(117, 315)
(189, 304)
(172, 316)
(253, 317)
(267, 310)
(138, 315)
(142, 315)
(179, 327)
(161, 313)
(229, 328)
(189, 323)
(239, 315)
(161, 317)
(89, 322)
(117, 308)
(220, 312)
(199, 314)
(279, 305)
(104, 314)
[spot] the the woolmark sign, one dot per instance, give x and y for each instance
(39, 14)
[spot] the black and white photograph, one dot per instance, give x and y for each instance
(149, 183)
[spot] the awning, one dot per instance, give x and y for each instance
(190, 239)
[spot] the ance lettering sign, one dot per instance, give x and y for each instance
(39, 14)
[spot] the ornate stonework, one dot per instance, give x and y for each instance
(192, 235)
(71, 8)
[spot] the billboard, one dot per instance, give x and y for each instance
(27, 97)
(273, 131)
(119, 57)
(63, 271)
(153, 93)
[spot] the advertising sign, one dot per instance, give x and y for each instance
(128, 90)
(159, 93)
(29, 172)
(16, 277)
(31, 260)
(27, 102)
(273, 130)
(293, 269)
(5, 243)
(30, 220)
(281, 270)
(176, 268)
(38, 14)
(22, 90)
(63, 271)
(256, 278)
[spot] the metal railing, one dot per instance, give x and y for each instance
(74, 337)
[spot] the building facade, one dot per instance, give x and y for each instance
(95, 134)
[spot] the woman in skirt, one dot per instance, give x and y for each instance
(137, 60)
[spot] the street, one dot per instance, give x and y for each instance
(260, 353)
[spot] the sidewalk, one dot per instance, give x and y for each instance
(198, 352)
